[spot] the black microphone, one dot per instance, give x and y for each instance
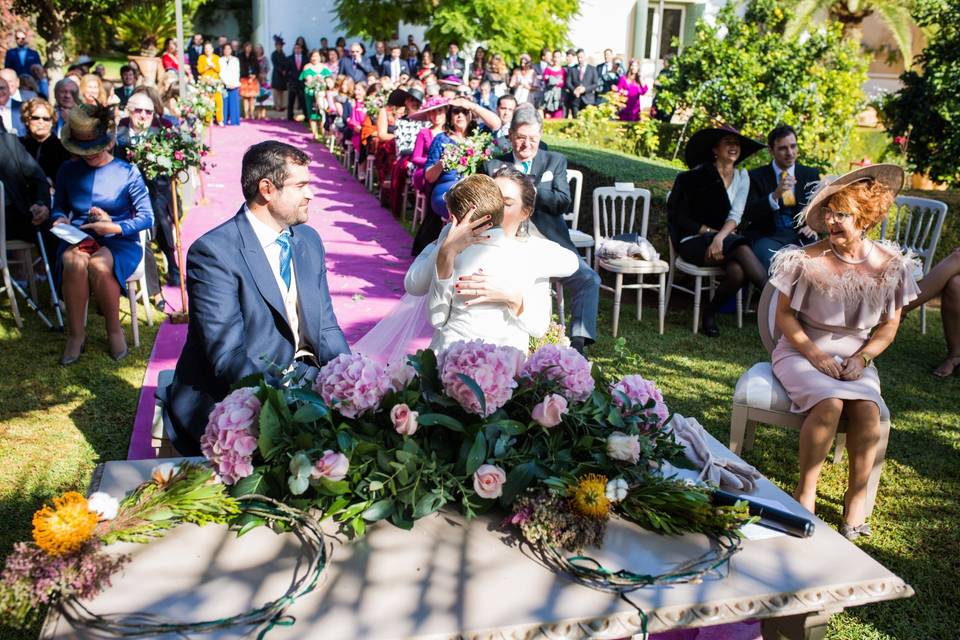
(770, 517)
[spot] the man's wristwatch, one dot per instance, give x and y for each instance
(866, 359)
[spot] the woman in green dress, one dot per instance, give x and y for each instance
(312, 77)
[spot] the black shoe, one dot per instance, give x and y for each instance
(579, 344)
(708, 322)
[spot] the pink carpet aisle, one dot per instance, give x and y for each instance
(368, 251)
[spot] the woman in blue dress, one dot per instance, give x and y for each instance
(462, 115)
(108, 199)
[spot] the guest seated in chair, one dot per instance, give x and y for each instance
(777, 192)
(839, 309)
(704, 211)
(107, 198)
(944, 281)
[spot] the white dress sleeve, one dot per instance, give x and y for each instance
(549, 260)
(740, 188)
(440, 298)
(420, 274)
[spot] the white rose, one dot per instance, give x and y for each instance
(104, 505)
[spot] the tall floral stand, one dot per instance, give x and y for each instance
(182, 316)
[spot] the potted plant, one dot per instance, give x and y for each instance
(148, 62)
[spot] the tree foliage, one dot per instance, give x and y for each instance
(54, 17)
(746, 72)
(894, 14)
(147, 23)
(510, 27)
(926, 111)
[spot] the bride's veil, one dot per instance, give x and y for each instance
(404, 330)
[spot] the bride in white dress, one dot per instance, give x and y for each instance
(505, 303)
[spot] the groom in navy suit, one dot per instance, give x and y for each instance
(259, 300)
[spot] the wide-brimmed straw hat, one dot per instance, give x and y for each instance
(889, 175)
(88, 130)
(432, 104)
(700, 146)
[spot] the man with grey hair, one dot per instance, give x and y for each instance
(549, 172)
(10, 111)
(66, 95)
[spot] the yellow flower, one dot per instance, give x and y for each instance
(589, 496)
(66, 526)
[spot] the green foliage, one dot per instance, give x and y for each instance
(927, 109)
(510, 27)
(746, 72)
(599, 126)
(145, 25)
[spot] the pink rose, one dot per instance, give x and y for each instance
(488, 481)
(332, 466)
(463, 160)
(404, 420)
(550, 411)
(178, 155)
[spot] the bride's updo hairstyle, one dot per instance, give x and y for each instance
(478, 191)
(528, 190)
(868, 200)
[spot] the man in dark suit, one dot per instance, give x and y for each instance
(549, 170)
(259, 299)
(379, 56)
(128, 80)
(295, 62)
(194, 52)
(354, 65)
(21, 57)
(778, 191)
(26, 189)
(453, 66)
(581, 83)
(10, 111)
(395, 66)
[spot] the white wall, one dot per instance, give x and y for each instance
(603, 24)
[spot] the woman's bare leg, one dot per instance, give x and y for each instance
(863, 434)
(76, 294)
(107, 291)
(933, 284)
(816, 435)
(950, 316)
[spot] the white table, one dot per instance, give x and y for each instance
(451, 579)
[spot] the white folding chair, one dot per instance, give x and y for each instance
(917, 223)
(419, 210)
(580, 239)
(760, 398)
(615, 213)
(22, 253)
(348, 159)
(370, 175)
(137, 289)
(699, 273)
(4, 261)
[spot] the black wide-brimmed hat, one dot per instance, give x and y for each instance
(82, 61)
(700, 146)
(399, 97)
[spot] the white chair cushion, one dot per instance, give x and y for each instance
(580, 239)
(633, 265)
(758, 388)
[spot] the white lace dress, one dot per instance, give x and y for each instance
(838, 313)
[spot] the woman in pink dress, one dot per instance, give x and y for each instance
(434, 110)
(839, 309)
(553, 77)
(632, 88)
(358, 114)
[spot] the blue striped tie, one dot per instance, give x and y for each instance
(285, 256)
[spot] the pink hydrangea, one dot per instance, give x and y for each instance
(353, 384)
(639, 391)
(564, 365)
(493, 368)
(230, 438)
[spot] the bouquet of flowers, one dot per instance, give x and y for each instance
(196, 106)
(314, 83)
(211, 84)
(66, 558)
(466, 156)
(473, 427)
(168, 152)
(373, 104)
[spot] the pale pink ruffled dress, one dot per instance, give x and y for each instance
(837, 312)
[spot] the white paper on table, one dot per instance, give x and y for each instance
(69, 233)
(757, 531)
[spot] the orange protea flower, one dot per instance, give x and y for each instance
(66, 526)
(589, 496)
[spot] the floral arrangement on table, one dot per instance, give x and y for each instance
(171, 151)
(66, 558)
(556, 334)
(545, 437)
(466, 156)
